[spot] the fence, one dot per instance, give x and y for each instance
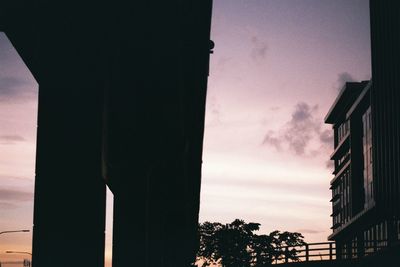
(24, 263)
(328, 251)
(310, 252)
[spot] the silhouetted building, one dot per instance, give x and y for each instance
(366, 124)
(352, 187)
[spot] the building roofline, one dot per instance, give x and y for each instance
(349, 92)
(359, 99)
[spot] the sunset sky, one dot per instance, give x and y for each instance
(276, 69)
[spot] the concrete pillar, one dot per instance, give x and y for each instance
(69, 211)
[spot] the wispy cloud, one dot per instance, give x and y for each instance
(297, 134)
(275, 108)
(259, 48)
(342, 78)
(14, 195)
(7, 206)
(309, 231)
(273, 140)
(7, 84)
(270, 184)
(11, 139)
(16, 84)
(14, 88)
(326, 137)
(11, 198)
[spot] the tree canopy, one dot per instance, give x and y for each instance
(235, 244)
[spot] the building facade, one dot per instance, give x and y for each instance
(362, 223)
(366, 123)
(354, 220)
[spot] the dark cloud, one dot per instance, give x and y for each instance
(309, 231)
(259, 49)
(14, 195)
(301, 127)
(343, 78)
(298, 133)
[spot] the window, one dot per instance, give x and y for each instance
(343, 130)
(368, 159)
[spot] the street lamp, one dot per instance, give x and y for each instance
(15, 231)
(27, 263)
(19, 252)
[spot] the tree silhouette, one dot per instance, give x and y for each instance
(236, 245)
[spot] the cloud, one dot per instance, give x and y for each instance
(14, 195)
(273, 140)
(14, 138)
(309, 231)
(4, 178)
(270, 184)
(11, 139)
(6, 49)
(301, 128)
(15, 82)
(326, 137)
(9, 83)
(259, 49)
(7, 206)
(330, 164)
(342, 78)
(16, 88)
(10, 198)
(298, 133)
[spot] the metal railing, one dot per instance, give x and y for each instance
(20, 263)
(366, 248)
(328, 251)
(309, 252)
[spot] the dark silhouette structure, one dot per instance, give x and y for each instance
(122, 96)
(366, 122)
(122, 87)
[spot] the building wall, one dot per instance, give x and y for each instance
(385, 98)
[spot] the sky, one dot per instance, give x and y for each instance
(276, 69)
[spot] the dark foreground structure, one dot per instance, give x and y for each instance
(122, 88)
(366, 123)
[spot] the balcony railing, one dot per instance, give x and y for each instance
(310, 252)
(326, 251)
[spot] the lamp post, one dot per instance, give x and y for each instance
(15, 231)
(27, 263)
(19, 252)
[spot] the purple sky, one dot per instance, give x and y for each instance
(276, 69)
